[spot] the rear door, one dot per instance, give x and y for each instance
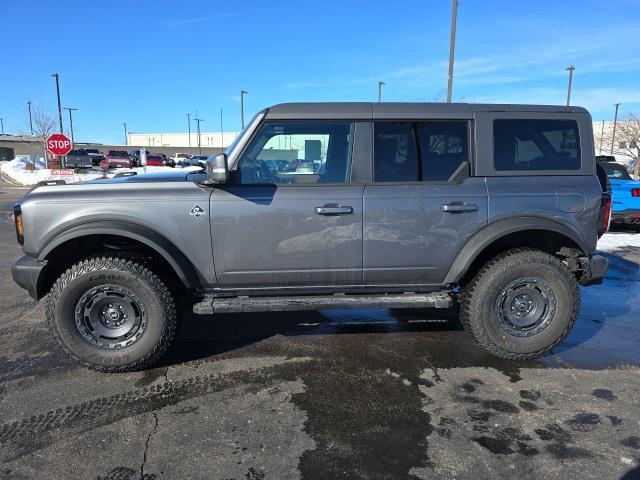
(290, 218)
(423, 205)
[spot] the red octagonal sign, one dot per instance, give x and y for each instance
(58, 144)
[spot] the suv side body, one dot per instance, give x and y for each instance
(344, 205)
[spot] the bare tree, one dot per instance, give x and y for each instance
(44, 124)
(627, 141)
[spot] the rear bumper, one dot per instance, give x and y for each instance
(629, 216)
(594, 269)
(26, 272)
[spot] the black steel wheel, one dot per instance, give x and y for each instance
(525, 307)
(110, 316)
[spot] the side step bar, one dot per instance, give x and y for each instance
(211, 304)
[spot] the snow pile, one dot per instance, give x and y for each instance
(610, 242)
(16, 171)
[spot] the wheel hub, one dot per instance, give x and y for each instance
(525, 307)
(110, 316)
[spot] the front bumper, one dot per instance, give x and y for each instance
(593, 269)
(26, 272)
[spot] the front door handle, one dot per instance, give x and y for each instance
(459, 207)
(334, 210)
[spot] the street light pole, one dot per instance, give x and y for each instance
(57, 77)
(126, 137)
(452, 48)
(221, 132)
(189, 127)
(198, 120)
(242, 94)
(71, 123)
(380, 84)
(570, 69)
(601, 137)
(615, 122)
(30, 121)
(2, 125)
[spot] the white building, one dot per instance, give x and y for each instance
(207, 139)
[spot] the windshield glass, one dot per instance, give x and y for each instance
(615, 170)
(237, 139)
(118, 154)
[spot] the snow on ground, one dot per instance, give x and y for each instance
(15, 171)
(610, 242)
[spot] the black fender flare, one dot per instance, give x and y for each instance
(172, 254)
(499, 229)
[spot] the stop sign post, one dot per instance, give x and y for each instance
(58, 144)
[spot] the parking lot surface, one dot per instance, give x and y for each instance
(365, 394)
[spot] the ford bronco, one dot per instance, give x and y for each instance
(495, 209)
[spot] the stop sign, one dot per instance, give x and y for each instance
(58, 144)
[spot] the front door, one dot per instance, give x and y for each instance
(422, 206)
(290, 218)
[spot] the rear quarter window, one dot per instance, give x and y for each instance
(536, 145)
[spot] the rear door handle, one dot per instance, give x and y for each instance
(459, 207)
(334, 210)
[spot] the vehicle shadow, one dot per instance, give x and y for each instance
(202, 336)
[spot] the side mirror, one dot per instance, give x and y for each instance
(217, 169)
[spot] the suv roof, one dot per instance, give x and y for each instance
(369, 110)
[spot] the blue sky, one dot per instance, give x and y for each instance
(148, 63)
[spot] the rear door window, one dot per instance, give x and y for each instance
(427, 151)
(395, 152)
(535, 145)
(443, 148)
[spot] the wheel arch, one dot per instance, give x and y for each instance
(67, 247)
(541, 233)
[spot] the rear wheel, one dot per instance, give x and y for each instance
(521, 304)
(112, 313)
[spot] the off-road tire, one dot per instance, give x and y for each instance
(478, 299)
(131, 273)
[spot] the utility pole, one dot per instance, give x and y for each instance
(601, 137)
(198, 120)
(615, 122)
(452, 48)
(126, 137)
(221, 132)
(242, 94)
(189, 127)
(380, 84)
(30, 121)
(57, 77)
(71, 123)
(570, 69)
(2, 125)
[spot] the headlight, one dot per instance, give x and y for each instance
(17, 216)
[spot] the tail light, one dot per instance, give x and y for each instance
(17, 216)
(606, 214)
(635, 192)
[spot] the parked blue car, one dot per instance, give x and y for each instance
(625, 193)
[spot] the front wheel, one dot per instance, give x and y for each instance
(521, 304)
(112, 313)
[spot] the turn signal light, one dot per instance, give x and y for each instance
(17, 214)
(635, 192)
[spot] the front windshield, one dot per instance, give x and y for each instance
(238, 137)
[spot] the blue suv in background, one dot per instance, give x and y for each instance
(625, 193)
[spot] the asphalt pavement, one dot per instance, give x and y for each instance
(365, 394)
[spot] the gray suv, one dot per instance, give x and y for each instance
(494, 208)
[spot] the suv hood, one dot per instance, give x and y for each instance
(177, 176)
